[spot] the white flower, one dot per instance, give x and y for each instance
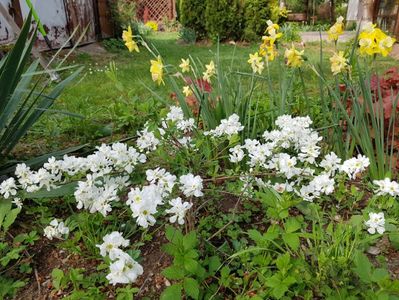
(178, 210)
(376, 223)
(323, 184)
(143, 204)
(146, 140)
(281, 187)
(50, 232)
(124, 270)
(144, 213)
(8, 188)
(331, 163)
(237, 154)
(355, 165)
(227, 127)
(387, 187)
(186, 125)
(111, 245)
(17, 201)
(175, 114)
(191, 185)
(163, 179)
(55, 230)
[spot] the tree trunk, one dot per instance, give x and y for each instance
(306, 5)
(332, 11)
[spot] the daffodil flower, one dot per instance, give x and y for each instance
(185, 65)
(127, 37)
(156, 70)
(338, 62)
(187, 91)
(294, 57)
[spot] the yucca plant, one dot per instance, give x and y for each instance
(26, 92)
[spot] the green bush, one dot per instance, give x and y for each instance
(257, 12)
(228, 19)
(224, 19)
(193, 16)
(187, 35)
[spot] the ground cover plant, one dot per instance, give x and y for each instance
(223, 193)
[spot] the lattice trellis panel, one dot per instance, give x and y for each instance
(155, 10)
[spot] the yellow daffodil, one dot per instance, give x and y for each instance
(267, 50)
(338, 62)
(211, 67)
(185, 65)
(156, 70)
(294, 57)
(187, 91)
(256, 63)
(336, 30)
(210, 71)
(132, 46)
(385, 45)
(127, 37)
(368, 27)
(366, 46)
(373, 41)
(271, 26)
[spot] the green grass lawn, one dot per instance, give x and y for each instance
(108, 112)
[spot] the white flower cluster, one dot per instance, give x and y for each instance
(145, 201)
(227, 127)
(123, 269)
(99, 189)
(355, 165)
(291, 153)
(175, 118)
(146, 140)
(376, 223)
(55, 230)
(387, 187)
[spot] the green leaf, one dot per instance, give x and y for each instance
(292, 225)
(5, 207)
(173, 235)
(57, 275)
(173, 272)
(379, 275)
(64, 190)
(214, 264)
(292, 240)
(10, 218)
(190, 240)
(191, 287)
(283, 262)
(190, 265)
(126, 293)
(363, 267)
(394, 238)
(172, 292)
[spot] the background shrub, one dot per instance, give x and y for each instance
(228, 19)
(192, 15)
(187, 35)
(224, 19)
(257, 12)
(123, 14)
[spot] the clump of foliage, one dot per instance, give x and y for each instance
(123, 13)
(257, 13)
(187, 35)
(192, 15)
(224, 19)
(26, 92)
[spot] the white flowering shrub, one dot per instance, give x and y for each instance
(127, 178)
